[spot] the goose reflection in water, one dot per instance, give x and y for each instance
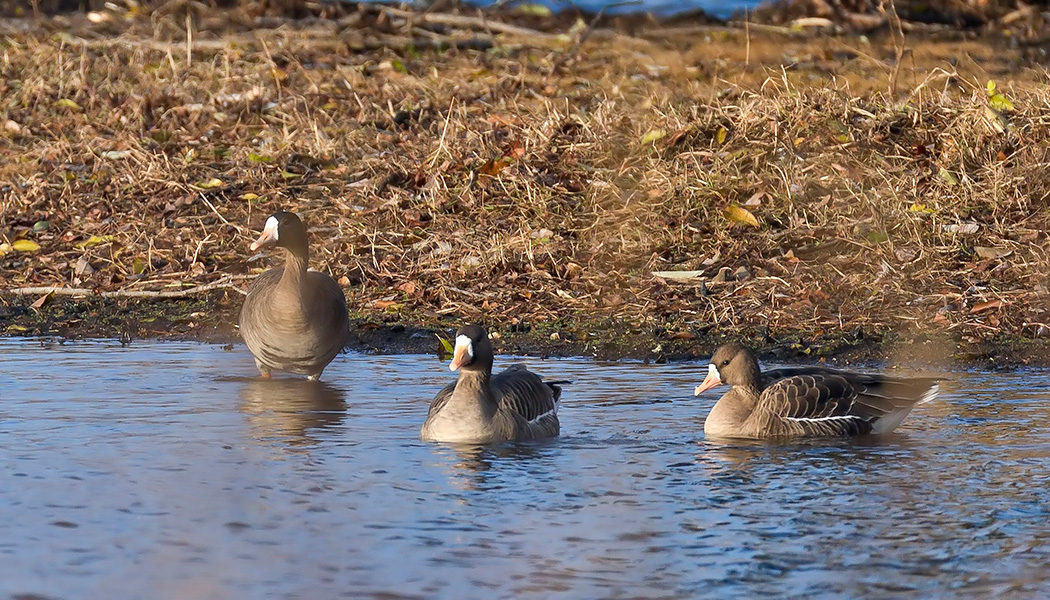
(476, 467)
(290, 410)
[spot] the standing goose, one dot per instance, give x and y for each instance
(805, 401)
(293, 319)
(481, 407)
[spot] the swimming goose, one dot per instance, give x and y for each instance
(805, 401)
(293, 319)
(481, 407)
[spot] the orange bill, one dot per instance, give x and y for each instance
(712, 379)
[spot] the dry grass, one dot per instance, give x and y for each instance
(514, 185)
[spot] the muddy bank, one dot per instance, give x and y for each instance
(212, 319)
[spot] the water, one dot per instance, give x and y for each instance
(722, 9)
(160, 470)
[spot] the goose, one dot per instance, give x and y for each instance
(293, 319)
(805, 401)
(480, 407)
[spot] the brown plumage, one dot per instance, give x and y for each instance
(481, 407)
(805, 401)
(293, 319)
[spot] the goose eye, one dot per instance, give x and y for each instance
(725, 362)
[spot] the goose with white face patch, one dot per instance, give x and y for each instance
(293, 319)
(481, 408)
(805, 401)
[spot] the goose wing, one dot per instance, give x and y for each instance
(441, 399)
(830, 402)
(526, 394)
(815, 403)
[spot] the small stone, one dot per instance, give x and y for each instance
(742, 274)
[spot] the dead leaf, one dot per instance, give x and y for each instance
(493, 167)
(41, 301)
(992, 253)
(983, 306)
(83, 267)
(516, 151)
(409, 287)
(740, 215)
(755, 199)
(678, 274)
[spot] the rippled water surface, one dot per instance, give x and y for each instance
(166, 470)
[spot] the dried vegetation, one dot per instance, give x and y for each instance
(813, 188)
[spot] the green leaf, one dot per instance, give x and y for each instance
(138, 266)
(533, 10)
(878, 236)
(999, 102)
(652, 135)
(995, 100)
(720, 135)
(95, 240)
(67, 103)
(259, 158)
(947, 177)
(446, 346)
(918, 207)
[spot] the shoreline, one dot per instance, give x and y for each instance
(199, 321)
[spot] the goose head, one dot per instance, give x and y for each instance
(473, 351)
(731, 364)
(285, 230)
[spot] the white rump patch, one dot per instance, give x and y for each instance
(464, 342)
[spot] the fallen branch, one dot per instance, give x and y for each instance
(64, 291)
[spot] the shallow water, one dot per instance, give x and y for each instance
(722, 9)
(165, 470)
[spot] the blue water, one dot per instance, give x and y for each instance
(722, 9)
(167, 470)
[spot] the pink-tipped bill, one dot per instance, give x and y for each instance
(712, 379)
(463, 353)
(268, 237)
